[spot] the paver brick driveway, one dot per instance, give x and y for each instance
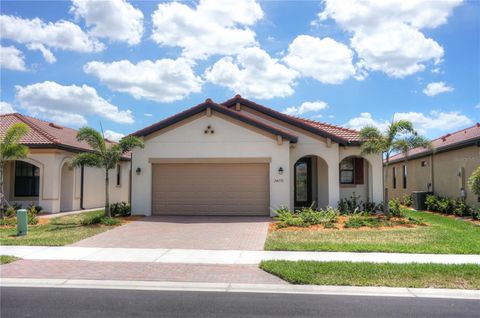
(186, 232)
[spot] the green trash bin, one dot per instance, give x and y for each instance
(22, 222)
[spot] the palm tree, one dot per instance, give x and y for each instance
(11, 149)
(399, 137)
(103, 155)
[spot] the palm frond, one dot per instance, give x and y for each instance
(127, 143)
(88, 159)
(92, 137)
(10, 149)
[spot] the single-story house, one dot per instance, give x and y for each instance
(45, 177)
(242, 158)
(443, 170)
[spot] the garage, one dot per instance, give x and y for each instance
(210, 189)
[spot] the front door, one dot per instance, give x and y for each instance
(303, 183)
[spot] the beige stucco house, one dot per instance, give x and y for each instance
(242, 158)
(444, 170)
(45, 177)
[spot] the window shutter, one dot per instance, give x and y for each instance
(358, 170)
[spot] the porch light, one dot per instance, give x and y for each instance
(280, 171)
(138, 171)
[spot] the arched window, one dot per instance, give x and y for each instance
(27, 179)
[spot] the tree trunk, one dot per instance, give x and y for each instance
(107, 199)
(2, 191)
(386, 209)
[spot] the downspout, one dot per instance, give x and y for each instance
(130, 179)
(82, 171)
(432, 174)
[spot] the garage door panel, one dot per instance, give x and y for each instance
(210, 189)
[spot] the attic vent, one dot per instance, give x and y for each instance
(55, 126)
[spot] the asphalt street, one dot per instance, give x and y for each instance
(69, 302)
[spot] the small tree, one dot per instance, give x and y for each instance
(103, 155)
(399, 137)
(11, 149)
(474, 181)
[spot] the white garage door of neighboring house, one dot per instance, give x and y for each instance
(210, 189)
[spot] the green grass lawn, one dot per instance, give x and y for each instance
(5, 259)
(371, 274)
(59, 231)
(442, 235)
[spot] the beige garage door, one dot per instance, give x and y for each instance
(210, 189)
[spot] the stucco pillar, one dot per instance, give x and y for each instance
(333, 184)
(377, 177)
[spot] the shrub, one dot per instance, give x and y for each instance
(474, 181)
(120, 209)
(10, 212)
(348, 206)
(460, 208)
(8, 222)
(475, 213)
(91, 219)
(445, 205)
(395, 208)
(431, 202)
(407, 200)
(310, 216)
(305, 217)
(109, 221)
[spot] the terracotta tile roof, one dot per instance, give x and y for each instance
(445, 142)
(336, 133)
(43, 133)
(342, 132)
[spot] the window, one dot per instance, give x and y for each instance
(351, 171)
(119, 175)
(347, 168)
(394, 176)
(404, 175)
(27, 179)
(424, 163)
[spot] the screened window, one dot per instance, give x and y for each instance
(347, 169)
(394, 176)
(27, 179)
(351, 171)
(404, 175)
(119, 175)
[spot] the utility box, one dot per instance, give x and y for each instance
(22, 222)
(418, 198)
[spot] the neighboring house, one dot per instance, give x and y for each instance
(443, 170)
(45, 177)
(241, 158)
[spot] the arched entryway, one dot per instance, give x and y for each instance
(310, 177)
(67, 188)
(355, 173)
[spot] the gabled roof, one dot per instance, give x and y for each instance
(43, 134)
(459, 139)
(338, 134)
(218, 108)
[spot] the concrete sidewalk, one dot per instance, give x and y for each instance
(225, 257)
(245, 288)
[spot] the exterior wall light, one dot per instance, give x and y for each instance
(138, 171)
(280, 171)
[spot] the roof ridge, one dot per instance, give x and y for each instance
(326, 124)
(455, 132)
(35, 127)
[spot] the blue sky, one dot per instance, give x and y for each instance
(350, 63)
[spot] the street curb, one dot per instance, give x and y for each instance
(244, 288)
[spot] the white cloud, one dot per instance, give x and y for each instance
(113, 136)
(63, 35)
(68, 104)
(6, 108)
(325, 60)
(116, 20)
(253, 73)
(47, 54)
(477, 106)
(423, 123)
(445, 121)
(162, 80)
(436, 88)
(386, 34)
(12, 58)
(147, 115)
(306, 107)
(212, 27)
(366, 119)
